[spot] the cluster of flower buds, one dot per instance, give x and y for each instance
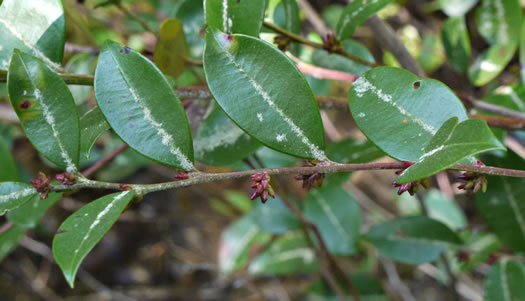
(473, 181)
(41, 185)
(282, 42)
(411, 187)
(311, 180)
(261, 184)
(66, 178)
(332, 44)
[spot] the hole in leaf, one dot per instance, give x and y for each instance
(417, 85)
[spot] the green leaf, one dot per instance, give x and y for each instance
(444, 210)
(322, 58)
(237, 241)
(397, 111)
(141, 107)
(351, 151)
(501, 206)
(34, 26)
(92, 125)
(289, 254)
(81, 63)
(219, 141)
(32, 211)
(233, 16)
(505, 282)
(413, 239)
(274, 217)
(499, 21)
(369, 289)
(452, 143)
(456, 42)
(191, 14)
(9, 240)
(522, 53)
(46, 109)
(286, 15)
(355, 13)
(490, 63)
(14, 194)
(456, 8)
(8, 170)
(271, 100)
(337, 216)
(171, 52)
(80, 232)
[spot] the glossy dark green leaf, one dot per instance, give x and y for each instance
(34, 26)
(501, 206)
(369, 289)
(289, 254)
(337, 216)
(274, 217)
(14, 194)
(286, 15)
(452, 143)
(237, 241)
(141, 107)
(456, 8)
(505, 282)
(353, 151)
(270, 100)
(191, 14)
(499, 21)
(9, 240)
(490, 63)
(456, 42)
(322, 58)
(32, 211)
(92, 125)
(355, 13)
(171, 52)
(80, 232)
(413, 239)
(81, 63)
(219, 141)
(46, 109)
(8, 170)
(233, 16)
(396, 110)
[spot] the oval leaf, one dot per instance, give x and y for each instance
(322, 58)
(490, 63)
(92, 125)
(234, 16)
(141, 107)
(452, 143)
(396, 110)
(80, 232)
(499, 21)
(337, 216)
(171, 52)
(32, 211)
(412, 240)
(14, 194)
(46, 109)
(8, 170)
(271, 100)
(34, 26)
(355, 13)
(505, 282)
(456, 42)
(456, 8)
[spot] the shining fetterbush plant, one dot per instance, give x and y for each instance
(263, 99)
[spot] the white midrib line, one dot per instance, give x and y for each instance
(514, 205)
(17, 194)
(225, 16)
(31, 46)
(315, 151)
(331, 216)
(167, 139)
(504, 282)
(349, 17)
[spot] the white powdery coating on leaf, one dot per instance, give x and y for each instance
(361, 115)
(362, 85)
(260, 117)
(70, 166)
(221, 136)
(225, 20)
(486, 20)
(17, 194)
(315, 151)
(306, 254)
(488, 66)
(502, 28)
(430, 153)
(281, 138)
(349, 17)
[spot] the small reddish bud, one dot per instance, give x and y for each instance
(125, 187)
(493, 258)
(463, 256)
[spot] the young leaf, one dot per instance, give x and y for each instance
(502, 207)
(80, 232)
(499, 21)
(32, 211)
(219, 141)
(45, 108)
(34, 26)
(171, 52)
(9, 240)
(456, 8)
(274, 217)
(396, 110)
(322, 58)
(456, 42)
(263, 92)
(355, 13)
(413, 239)
(490, 63)
(505, 282)
(233, 16)
(338, 217)
(452, 143)
(8, 170)
(92, 125)
(289, 254)
(141, 107)
(14, 194)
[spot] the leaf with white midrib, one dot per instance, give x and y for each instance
(355, 13)
(504, 281)
(14, 194)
